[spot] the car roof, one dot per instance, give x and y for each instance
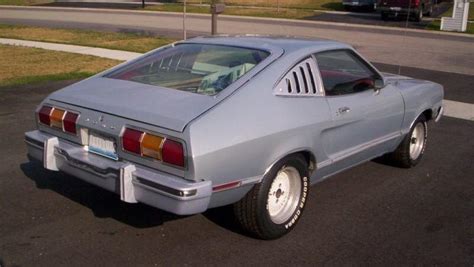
(272, 43)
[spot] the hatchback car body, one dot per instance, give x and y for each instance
(249, 121)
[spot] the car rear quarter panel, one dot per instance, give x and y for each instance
(243, 136)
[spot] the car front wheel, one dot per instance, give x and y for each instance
(273, 207)
(412, 148)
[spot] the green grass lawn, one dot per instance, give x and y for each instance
(24, 2)
(288, 13)
(305, 4)
(435, 25)
(449, 12)
(295, 9)
(471, 11)
(22, 65)
(111, 40)
(299, 4)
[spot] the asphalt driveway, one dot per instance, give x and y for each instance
(371, 214)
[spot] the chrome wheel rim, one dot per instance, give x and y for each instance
(284, 194)
(417, 141)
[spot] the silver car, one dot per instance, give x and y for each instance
(243, 120)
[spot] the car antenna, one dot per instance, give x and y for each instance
(404, 37)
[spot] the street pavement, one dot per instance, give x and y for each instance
(373, 214)
(413, 48)
(356, 16)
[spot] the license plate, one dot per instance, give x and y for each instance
(102, 145)
(396, 8)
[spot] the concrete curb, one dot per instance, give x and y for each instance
(306, 22)
(459, 110)
(342, 13)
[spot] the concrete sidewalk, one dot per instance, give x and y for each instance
(453, 109)
(84, 50)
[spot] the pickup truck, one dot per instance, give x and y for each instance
(370, 5)
(415, 9)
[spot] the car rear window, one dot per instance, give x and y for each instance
(198, 68)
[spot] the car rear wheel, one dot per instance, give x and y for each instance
(412, 148)
(273, 207)
(384, 15)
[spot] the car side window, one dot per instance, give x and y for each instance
(343, 72)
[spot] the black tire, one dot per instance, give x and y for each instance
(401, 156)
(429, 12)
(253, 213)
(418, 15)
(384, 15)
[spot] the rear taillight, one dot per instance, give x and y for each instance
(58, 118)
(69, 122)
(173, 153)
(153, 146)
(44, 113)
(131, 140)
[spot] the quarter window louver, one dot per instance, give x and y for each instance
(297, 82)
(300, 80)
(303, 74)
(313, 84)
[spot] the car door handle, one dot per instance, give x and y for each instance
(344, 110)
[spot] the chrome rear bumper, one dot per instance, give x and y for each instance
(132, 182)
(396, 10)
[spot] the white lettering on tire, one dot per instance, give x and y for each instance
(301, 205)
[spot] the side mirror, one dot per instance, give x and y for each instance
(379, 84)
